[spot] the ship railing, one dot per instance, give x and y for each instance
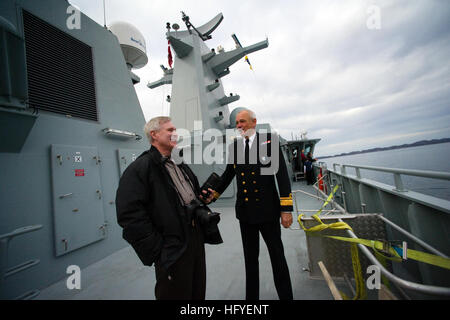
(440, 204)
(396, 172)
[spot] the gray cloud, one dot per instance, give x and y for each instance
(324, 71)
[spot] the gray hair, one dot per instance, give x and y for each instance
(154, 125)
(250, 113)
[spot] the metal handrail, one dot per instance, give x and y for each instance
(432, 201)
(420, 242)
(429, 289)
(396, 171)
(409, 172)
(417, 240)
(434, 290)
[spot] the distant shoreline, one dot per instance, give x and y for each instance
(414, 144)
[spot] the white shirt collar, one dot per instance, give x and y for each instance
(250, 139)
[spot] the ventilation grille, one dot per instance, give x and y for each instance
(60, 70)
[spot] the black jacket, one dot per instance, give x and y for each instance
(257, 199)
(150, 212)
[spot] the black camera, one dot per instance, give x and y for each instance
(202, 213)
(212, 182)
(207, 219)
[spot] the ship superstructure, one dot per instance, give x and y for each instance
(71, 123)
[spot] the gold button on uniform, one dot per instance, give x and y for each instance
(246, 199)
(243, 182)
(245, 191)
(242, 173)
(254, 182)
(253, 173)
(256, 190)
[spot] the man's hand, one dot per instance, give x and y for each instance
(286, 219)
(209, 199)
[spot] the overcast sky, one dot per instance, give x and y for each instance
(357, 74)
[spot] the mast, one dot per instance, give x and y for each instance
(197, 90)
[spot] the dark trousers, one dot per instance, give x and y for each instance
(186, 278)
(271, 233)
(309, 177)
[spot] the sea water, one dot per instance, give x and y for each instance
(433, 157)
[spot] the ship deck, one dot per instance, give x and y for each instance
(121, 276)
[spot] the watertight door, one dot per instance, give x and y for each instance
(77, 197)
(127, 156)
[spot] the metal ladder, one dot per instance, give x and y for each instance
(6, 272)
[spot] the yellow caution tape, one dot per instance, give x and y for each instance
(357, 270)
(410, 254)
(376, 245)
(326, 201)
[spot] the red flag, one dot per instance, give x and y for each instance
(169, 55)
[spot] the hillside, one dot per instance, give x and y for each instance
(414, 144)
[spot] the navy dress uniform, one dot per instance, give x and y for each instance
(258, 208)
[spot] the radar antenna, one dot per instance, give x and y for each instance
(189, 25)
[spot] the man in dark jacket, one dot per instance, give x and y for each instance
(309, 169)
(258, 205)
(151, 204)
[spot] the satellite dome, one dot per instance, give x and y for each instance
(132, 43)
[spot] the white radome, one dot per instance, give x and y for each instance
(132, 43)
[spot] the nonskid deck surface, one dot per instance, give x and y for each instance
(122, 276)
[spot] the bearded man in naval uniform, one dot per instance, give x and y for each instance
(259, 207)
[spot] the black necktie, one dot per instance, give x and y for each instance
(247, 151)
